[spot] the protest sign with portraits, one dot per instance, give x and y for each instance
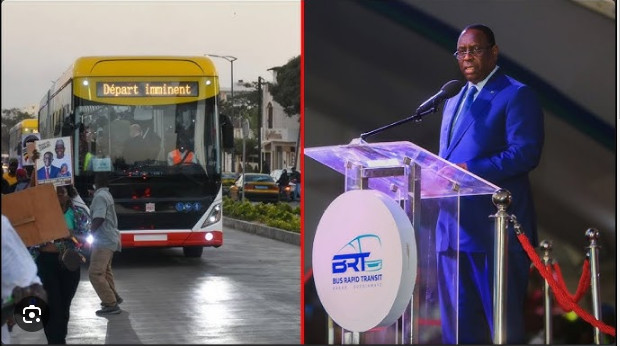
(55, 163)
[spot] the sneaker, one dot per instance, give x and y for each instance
(119, 300)
(109, 310)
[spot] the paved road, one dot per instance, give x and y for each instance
(245, 292)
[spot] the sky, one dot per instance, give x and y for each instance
(41, 39)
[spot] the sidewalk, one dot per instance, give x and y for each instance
(263, 230)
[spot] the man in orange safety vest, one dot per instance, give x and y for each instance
(181, 155)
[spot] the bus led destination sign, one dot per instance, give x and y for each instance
(148, 89)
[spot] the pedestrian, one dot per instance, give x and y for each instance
(82, 216)
(6, 188)
(283, 182)
(296, 179)
(19, 273)
(59, 279)
(11, 175)
(106, 241)
(494, 129)
(23, 181)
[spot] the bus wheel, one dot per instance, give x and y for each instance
(192, 252)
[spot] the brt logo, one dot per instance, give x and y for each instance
(355, 255)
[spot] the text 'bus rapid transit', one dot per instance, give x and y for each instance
(136, 118)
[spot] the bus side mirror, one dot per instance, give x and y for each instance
(226, 124)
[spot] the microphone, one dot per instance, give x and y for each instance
(448, 90)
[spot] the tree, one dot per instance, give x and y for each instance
(244, 105)
(10, 117)
(287, 89)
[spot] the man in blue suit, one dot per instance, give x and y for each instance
(47, 171)
(494, 129)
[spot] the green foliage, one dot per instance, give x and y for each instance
(251, 149)
(286, 90)
(10, 117)
(279, 215)
(244, 105)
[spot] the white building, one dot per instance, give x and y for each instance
(279, 134)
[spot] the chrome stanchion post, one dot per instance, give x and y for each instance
(350, 337)
(355, 338)
(413, 208)
(546, 247)
(501, 199)
(592, 235)
(330, 331)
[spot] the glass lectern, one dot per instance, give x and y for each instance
(423, 185)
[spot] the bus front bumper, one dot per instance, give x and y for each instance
(172, 239)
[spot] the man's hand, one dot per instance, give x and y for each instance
(462, 165)
(18, 294)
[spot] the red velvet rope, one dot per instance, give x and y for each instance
(565, 300)
(584, 283)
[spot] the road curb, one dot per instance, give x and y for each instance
(263, 230)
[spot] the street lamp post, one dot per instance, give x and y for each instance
(246, 134)
(261, 81)
(230, 59)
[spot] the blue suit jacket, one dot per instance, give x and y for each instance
(54, 171)
(500, 139)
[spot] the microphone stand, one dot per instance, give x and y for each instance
(416, 117)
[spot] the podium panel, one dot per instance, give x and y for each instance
(366, 267)
(428, 189)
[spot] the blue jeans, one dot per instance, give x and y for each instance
(296, 194)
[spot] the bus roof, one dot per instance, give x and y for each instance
(129, 66)
(26, 123)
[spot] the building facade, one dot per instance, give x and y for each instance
(280, 135)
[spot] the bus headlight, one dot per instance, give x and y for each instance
(214, 216)
(90, 239)
(208, 236)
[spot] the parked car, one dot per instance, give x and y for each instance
(228, 179)
(257, 187)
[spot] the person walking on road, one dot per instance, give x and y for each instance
(296, 179)
(104, 228)
(282, 183)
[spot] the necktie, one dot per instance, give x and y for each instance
(468, 100)
(47, 173)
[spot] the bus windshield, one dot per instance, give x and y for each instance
(151, 125)
(147, 140)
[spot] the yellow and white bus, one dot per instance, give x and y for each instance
(17, 135)
(126, 116)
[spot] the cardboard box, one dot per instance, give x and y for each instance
(35, 214)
